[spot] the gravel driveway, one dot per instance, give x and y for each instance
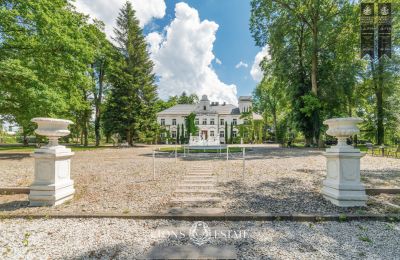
(120, 181)
(129, 239)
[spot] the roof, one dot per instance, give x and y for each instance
(186, 109)
(245, 98)
(181, 109)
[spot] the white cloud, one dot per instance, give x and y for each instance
(241, 64)
(107, 10)
(256, 71)
(218, 61)
(183, 57)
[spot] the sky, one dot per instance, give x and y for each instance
(197, 46)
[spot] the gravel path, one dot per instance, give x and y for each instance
(120, 181)
(129, 239)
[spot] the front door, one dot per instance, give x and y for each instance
(204, 134)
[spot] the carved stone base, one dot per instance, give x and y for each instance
(52, 185)
(342, 185)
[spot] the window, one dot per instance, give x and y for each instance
(234, 122)
(196, 121)
(245, 121)
(204, 108)
(234, 134)
(212, 121)
(163, 122)
(204, 121)
(173, 121)
(221, 121)
(173, 134)
(212, 133)
(222, 134)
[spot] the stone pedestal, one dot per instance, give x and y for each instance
(342, 185)
(52, 185)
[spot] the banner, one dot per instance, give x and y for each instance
(384, 30)
(367, 30)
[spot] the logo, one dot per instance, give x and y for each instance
(385, 11)
(367, 10)
(200, 233)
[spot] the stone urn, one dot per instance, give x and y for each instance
(52, 128)
(342, 185)
(52, 184)
(342, 128)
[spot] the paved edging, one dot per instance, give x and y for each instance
(215, 217)
(376, 191)
(14, 190)
(369, 191)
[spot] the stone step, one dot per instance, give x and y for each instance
(199, 174)
(195, 200)
(198, 185)
(203, 211)
(201, 178)
(207, 191)
(198, 181)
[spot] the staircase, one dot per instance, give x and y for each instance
(197, 193)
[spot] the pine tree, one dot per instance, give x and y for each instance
(226, 132)
(182, 134)
(178, 134)
(133, 93)
(231, 135)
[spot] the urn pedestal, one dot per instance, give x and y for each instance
(52, 184)
(342, 185)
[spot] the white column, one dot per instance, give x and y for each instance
(342, 185)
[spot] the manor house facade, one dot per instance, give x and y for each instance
(210, 117)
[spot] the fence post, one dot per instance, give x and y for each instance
(227, 152)
(244, 161)
(184, 150)
(176, 154)
(154, 165)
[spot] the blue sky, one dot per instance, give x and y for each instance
(233, 39)
(197, 46)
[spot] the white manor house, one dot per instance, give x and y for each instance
(210, 119)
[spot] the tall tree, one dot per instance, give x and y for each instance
(133, 93)
(226, 132)
(320, 37)
(44, 55)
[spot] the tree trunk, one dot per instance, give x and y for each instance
(314, 61)
(275, 126)
(98, 100)
(380, 115)
(85, 131)
(314, 78)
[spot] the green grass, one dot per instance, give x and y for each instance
(30, 148)
(180, 150)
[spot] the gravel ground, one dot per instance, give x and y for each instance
(120, 181)
(129, 239)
